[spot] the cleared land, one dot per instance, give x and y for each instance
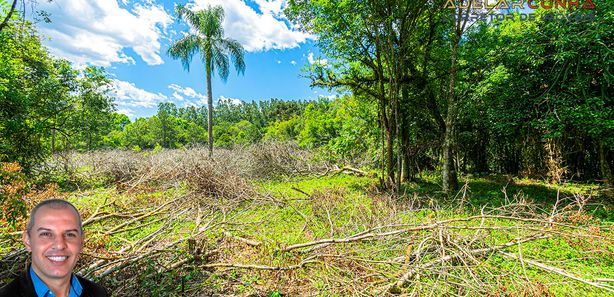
(267, 221)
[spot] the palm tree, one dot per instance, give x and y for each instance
(207, 37)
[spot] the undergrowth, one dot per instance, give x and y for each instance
(207, 228)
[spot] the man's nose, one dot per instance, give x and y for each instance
(59, 243)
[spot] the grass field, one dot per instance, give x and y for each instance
(173, 225)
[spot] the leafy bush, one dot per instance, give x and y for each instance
(13, 187)
(18, 194)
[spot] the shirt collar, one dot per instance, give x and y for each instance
(43, 291)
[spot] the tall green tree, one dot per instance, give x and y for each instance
(33, 94)
(93, 113)
(208, 39)
(165, 127)
(378, 50)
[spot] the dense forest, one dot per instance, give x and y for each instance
(430, 94)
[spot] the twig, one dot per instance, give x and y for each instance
(412, 272)
(301, 191)
(155, 211)
(558, 271)
(260, 267)
(350, 169)
(357, 238)
(243, 240)
(369, 234)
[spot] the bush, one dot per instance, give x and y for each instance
(18, 194)
(13, 187)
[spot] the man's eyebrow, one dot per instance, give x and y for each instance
(65, 231)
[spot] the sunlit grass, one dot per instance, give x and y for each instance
(307, 209)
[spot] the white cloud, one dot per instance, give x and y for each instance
(186, 92)
(229, 101)
(127, 111)
(191, 97)
(98, 32)
(129, 95)
(316, 61)
(278, 62)
(271, 6)
(293, 62)
(177, 96)
(196, 99)
(257, 31)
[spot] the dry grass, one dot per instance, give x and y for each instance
(176, 223)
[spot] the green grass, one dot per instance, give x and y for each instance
(307, 209)
(282, 225)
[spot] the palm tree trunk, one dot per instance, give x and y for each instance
(209, 108)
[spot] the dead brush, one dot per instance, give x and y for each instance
(326, 199)
(81, 169)
(133, 171)
(212, 178)
(127, 168)
(114, 165)
(280, 159)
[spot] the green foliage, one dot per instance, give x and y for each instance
(241, 133)
(319, 125)
(25, 71)
(191, 133)
(287, 130)
(356, 139)
(545, 81)
(14, 186)
(46, 105)
(157, 148)
(516, 85)
(139, 133)
(94, 108)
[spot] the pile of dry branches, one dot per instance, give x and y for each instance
(155, 236)
(123, 166)
(438, 256)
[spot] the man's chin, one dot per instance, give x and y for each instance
(63, 271)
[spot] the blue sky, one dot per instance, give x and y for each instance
(130, 38)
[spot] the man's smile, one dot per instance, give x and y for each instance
(57, 258)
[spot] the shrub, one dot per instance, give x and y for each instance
(18, 194)
(13, 187)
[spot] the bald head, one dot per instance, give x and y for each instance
(54, 204)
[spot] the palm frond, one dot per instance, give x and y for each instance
(220, 60)
(212, 19)
(189, 16)
(236, 51)
(209, 41)
(184, 49)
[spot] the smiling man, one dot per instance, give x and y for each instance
(54, 236)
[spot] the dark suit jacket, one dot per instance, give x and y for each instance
(22, 286)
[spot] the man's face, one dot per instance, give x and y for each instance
(55, 242)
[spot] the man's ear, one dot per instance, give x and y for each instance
(26, 240)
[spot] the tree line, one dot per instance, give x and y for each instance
(45, 103)
(424, 88)
(525, 97)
